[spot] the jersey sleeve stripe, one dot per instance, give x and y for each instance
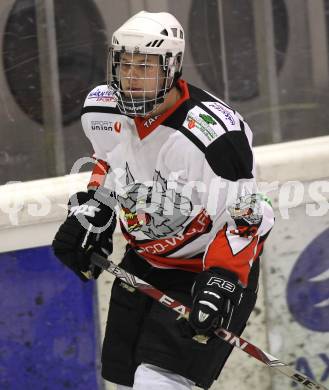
(108, 110)
(205, 108)
(242, 125)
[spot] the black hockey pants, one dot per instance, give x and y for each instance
(140, 329)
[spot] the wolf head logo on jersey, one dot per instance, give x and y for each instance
(154, 210)
(308, 286)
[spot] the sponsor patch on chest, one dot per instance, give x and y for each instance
(203, 125)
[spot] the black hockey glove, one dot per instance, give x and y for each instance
(89, 225)
(216, 293)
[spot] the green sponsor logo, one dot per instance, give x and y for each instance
(208, 119)
(205, 129)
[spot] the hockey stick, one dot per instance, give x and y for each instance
(222, 333)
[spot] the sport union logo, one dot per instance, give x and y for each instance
(308, 285)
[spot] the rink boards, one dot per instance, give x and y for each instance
(51, 324)
(48, 328)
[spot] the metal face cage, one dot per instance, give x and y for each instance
(141, 80)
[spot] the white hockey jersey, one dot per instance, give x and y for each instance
(174, 177)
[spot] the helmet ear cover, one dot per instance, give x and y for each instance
(168, 60)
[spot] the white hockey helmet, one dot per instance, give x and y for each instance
(146, 33)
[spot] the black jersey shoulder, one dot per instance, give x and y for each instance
(218, 131)
(231, 157)
(101, 99)
(177, 119)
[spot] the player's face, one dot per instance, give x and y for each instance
(141, 75)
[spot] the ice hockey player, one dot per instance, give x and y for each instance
(178, 166)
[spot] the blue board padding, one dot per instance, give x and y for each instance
(307, 291)
(48, 337)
